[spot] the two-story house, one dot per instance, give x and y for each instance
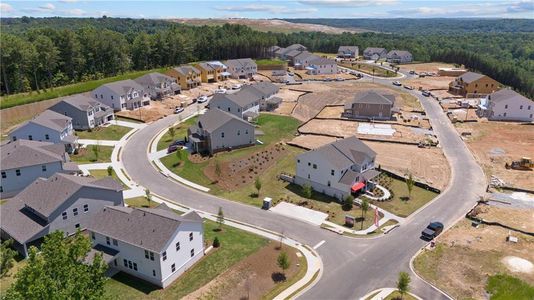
(211, 72)
(399, 57)
(153, 244)
(218, 130)
(122, 95)
(23, 161)
(371, 106)
(303, 59)
(371, 53)
(265, 92)
(86, 112)
(288, 52)
(59, 202)
(322, 66)
(338, 169)
(188, 77)
(506, 105)
(158, 86)
(473, 84)
(347, 52)
(242, 68)
(244, 105)
(48, 126)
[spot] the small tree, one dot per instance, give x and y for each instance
(283, 262)
(148, 196)
(257, 184)
(179, 156)
(96, 151)
(348, 202)
(220, 218)
(218, 171)
(403, 284)
(7, 257)
(365, 208)
(172, 132)
(110, 170)
(216, 242)
(410, 182)
(307, 191)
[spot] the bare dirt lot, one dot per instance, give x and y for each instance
(305, 76)
(496, 143)
(514, 217)
(425, 67)
(431, 83)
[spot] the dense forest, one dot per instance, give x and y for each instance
(39, 53)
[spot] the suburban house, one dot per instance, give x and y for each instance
(370, 105)
(473, 84)
(86, 112)
(506, 105)
(158, 86)
(271, 51)
(399, 57)
(371, 53)
(347, 51)
(265, 92)
(290, 51)
(122, 95)
(322, 66)
(153, 244)
(24, 161)
(218, 130)
(188, 77)
(48, 126)
(60, 202)
(303, 59)
(338, 169)
(241, 68)
(212, 71)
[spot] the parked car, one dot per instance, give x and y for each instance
(340, 79)
(172, 148)
(178, 143)
(432, 230)
(397, 83)
(178, 110)
(236, 86)
(290, 74)
(426, 93)
(412, 72)
(328, 79)
(202, 99)
(408, 87)
(220, 91)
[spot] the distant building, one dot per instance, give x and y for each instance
(153, 244)
(322, 66)
(371, 53)
(217, 130)
(338, 169)
(473, 84)
(370, 105)
(399, 57)
(303, 60)
(158, 86)
(507, 105)
(243, 68)
(188, 77)
(122, 95)
(60, 202)
(48, 126)
(24, 161)
(289, 52)
(86, 112)
(347, 51)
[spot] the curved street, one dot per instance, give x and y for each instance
(352, 267)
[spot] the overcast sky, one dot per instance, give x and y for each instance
(271, 9)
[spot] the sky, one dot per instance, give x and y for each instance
(267, 9)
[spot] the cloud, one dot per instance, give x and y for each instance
(272, 9)
(347, 3)
(47, 7)
(6, 8)
(468, 10)
(521, 6)
(72, 12)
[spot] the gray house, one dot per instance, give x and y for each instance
(158, 86)
(86, 112)
(122, 95)
(248, 101)
(217, 130)
(303, 59)
(370, 105)
(241, 68)
(347, 51)
(506, 105)
(290, 51)
(371, 53)
(48, 126)
(60, 202)
(24, 161)
(265, 92)
(399, 57)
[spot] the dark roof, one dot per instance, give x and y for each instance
(154, 79)
(241, 62)
(23, 153)
(305, 55)
(147, 228)
(214, 118)
(372, 50)
(508, 94)
(349, 177)
(345, 49)
(296, 47)
(19, 222)
(470, 77)
(123, 86)
(372, 98)
(346, 152)
(81, 102)
(50, 119)
(210, 66)
(264, 88)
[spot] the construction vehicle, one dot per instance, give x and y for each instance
(525, 163)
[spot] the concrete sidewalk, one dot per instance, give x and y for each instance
(98, 142)
(383, 294)
(128, 124)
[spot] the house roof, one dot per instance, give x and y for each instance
(24, 153)
(372, 50)
(241, 62)
(154, 78)
(210, 66)
(399, 53)
(345, 49)
(123, 86)
(508, 94)
(214, 118)
(470, 77)
(371, 98)
(345, 152)
(82, 102)
(305, 55)
(292, 53)
(186, 69)
(147, 228)
(322, 61)
(296, 47)
(18, 222)
(49, 119)
(263, 89)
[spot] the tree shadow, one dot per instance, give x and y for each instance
(142, 286)
(278, 277)
(405, 198)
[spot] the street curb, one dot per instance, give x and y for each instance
(421, 278)
(381, 289)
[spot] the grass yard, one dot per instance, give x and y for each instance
(81, 87)
(506, 287)
(140, 202)
(368, 69)
(87, 156)
(104, 173)
(9, 278)
(112, 132)
(235, 246)
(401, 207)
(396, 295)
(180, 131)
(270, 62)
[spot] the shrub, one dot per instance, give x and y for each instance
(216, 242)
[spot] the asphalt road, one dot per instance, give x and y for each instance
(352, 267)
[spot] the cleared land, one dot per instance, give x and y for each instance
(425, 67)
(87, 156)
(370, 69)
(496, 143)
(465, 257)
(112, 132)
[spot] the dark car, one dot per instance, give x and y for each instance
(178, 143)
(432, 230)
(172, 148)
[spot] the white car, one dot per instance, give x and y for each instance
(220, 91)
(397, 83)
(236, 86)
(340, 79)
(178, 110)
(202, 99)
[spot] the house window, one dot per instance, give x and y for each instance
(112, 97)
(246, 130)
(107, 240)
(192, 252)
(101, 96)
(17, 172)
(332, 172)
(93, 235)
(505, 114)
(135, 266)
(153, 272)
(85, 208)
(298, 161)
(328, 182)
(173, 268)
(130, 264)
(77, 226)
(228, 108)
(146, 254)
(115, 262)
(115, 243)
(239, 132)
(315, 166)
(222, 135)
(520, 106)
(2, 189)
(4, 174)
(164, 255)
(126, 263)
(14, 138)
(43, 167)
(64, 215)
(30, 137)
(75, 211)
(151, 255)
(506, 106)
(190, 236)
(308, 176)
(309, 164)
(178, 246)
(47, 137)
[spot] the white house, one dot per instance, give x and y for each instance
(122, 95)
(48, 126)
(507, 105)
(242, 68)
(338, 169)
(24, 161)
(399, 57)
(371, 53)
(155, 245)
(60, 202)
(86, 112)
(322, 66)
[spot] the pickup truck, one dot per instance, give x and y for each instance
(432, 230)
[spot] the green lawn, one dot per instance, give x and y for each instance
(7, 280)
(140, 201)
(180, 131)
(401, 207)
(25, 98)
(506, 287)
(235, 246)
(270, 62)
(86, 155)
(112, 132)
(104, 173)
(368, 69)
(396, 295)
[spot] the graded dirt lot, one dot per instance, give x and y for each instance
(466, 256)
(496, 143)
(431, 83)
(514, 217)
(425, 67)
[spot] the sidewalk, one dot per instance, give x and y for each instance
(97, 142)
(383, 293)
(129, 124)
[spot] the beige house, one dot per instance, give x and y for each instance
(473, 84)
(188, 77)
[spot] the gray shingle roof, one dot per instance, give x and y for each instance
(50, 119)
(264, 88)
(305, 55)
(208, 66)
(372, 50)
(399, 53)
(215, 118)
(372, 98)
(154, 79)
(242, 62)
(322, 61)
(347, 49)
(82, 102)
(186, 69)
(123, 86)
(346, 152)
(470, 77)
(506, 94)
(150, 229)
(24, 153)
